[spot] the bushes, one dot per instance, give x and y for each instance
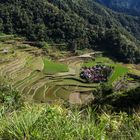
(108, 99)
(10, 99)
(45, 122)
(21, 124)
(41, 122)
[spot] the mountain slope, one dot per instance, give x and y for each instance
(128, 6)
(77, 23)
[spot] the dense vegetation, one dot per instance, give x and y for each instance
(10, 99)
(79, 24)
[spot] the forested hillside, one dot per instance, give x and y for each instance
(128, 6)
(77, 23)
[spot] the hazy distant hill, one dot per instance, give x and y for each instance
(127, 6)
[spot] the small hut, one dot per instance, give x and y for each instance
(5, 51)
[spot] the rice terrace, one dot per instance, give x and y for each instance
(40, 78)
(69, 70)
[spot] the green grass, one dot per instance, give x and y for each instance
(51, 67)
(119, 71)
(42, 122)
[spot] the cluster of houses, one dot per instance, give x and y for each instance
(96, 74)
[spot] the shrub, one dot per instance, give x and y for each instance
(10, 99)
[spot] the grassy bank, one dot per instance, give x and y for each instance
(41, 122)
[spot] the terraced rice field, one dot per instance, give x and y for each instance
(38, 78)
(42, 80)
(52, 67)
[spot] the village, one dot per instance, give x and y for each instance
(96, 74)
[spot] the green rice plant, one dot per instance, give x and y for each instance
(119, 71)
(51, 67)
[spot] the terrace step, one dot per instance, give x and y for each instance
(49, 96)
(29, 83)
(24, 81)
(39, 96)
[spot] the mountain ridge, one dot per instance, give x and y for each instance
(125, 6)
